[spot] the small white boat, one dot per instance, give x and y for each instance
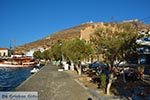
(34, 70)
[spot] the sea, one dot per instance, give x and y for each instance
(10, 78)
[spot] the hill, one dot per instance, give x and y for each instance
(48, 41)
(71, 33)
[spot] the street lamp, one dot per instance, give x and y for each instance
(60, 44)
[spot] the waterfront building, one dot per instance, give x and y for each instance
(30, 53)
(4, 52)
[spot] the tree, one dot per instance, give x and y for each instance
(76, 50)
(55, 51)
(46, 54)
(38, 54)
(114, 45)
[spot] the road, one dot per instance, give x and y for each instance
(54, 85)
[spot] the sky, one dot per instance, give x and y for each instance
(24, 21)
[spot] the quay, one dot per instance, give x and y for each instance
(52, 84)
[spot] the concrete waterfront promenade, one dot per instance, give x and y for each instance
(54, 85)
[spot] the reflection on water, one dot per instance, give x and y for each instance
(10, 78)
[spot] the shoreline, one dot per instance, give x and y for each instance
(25, 81)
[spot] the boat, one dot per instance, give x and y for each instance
(18, 62)
(34, 70)
(11, 65)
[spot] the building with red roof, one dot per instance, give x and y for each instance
(3, 52)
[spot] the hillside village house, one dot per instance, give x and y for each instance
(4, 52)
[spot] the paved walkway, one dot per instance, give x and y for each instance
(53, 85)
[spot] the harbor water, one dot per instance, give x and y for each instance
(10, 78)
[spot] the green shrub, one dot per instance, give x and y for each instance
(103, 81)
(140, 68)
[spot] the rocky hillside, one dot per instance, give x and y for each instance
(70, 33)
(48, 41)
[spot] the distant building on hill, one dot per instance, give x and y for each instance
(4, 52)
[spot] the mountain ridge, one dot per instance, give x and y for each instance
(69, 33)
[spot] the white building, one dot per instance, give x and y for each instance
(3, 52)
(30, 53)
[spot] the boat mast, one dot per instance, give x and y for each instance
(10, 49)
(14, 42)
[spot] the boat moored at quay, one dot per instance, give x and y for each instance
(18, 62)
